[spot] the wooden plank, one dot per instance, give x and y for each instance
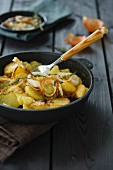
(37, 154)
(4, 7)
(106, 16)
(82, 142)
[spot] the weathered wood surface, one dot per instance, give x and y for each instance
(87, 138)
(84, 141)
(106, 16)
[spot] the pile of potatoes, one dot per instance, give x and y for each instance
(19, 87)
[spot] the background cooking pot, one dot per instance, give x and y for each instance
(80, 66)
(10, 14)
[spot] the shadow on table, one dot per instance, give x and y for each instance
(80, 139)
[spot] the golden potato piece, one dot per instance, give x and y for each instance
(9, 99)
(75, 80)
(39, 105)
(9, 68)
(27, 65)
(33, 93)
(21, 75)
(67, 70)
(58, 102)
(19, 97)
(54, 70)
(27, 100)
(61, 100)
(23, 98)
(20, 69)
(68, 87)
(34, 64)
(81, 90)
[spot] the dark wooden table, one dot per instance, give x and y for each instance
(84, 141)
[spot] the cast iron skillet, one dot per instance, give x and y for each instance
(54, 114)
(7, 15)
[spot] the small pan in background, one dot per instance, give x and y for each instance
(7, 15)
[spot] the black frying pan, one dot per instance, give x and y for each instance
(54, 114)
(7, 15)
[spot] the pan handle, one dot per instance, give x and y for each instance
(86, 62)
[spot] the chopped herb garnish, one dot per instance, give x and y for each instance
(55, 82)
(5, 84)
(15, 81)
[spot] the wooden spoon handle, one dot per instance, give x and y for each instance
(98, 34)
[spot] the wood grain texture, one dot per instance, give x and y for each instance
(106, 16)
(85, 141)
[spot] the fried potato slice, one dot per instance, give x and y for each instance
(23, 98)
(68, 87)
(20, 71)
(54, 70)
(27, 100)
(9, 68)
(33, 93)
(20, 96)
(34, 64)
(81, 90)
(38, 105)
(57, 102)
(75, 80)
(9, 99)
(21, 75)
(27, 65)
